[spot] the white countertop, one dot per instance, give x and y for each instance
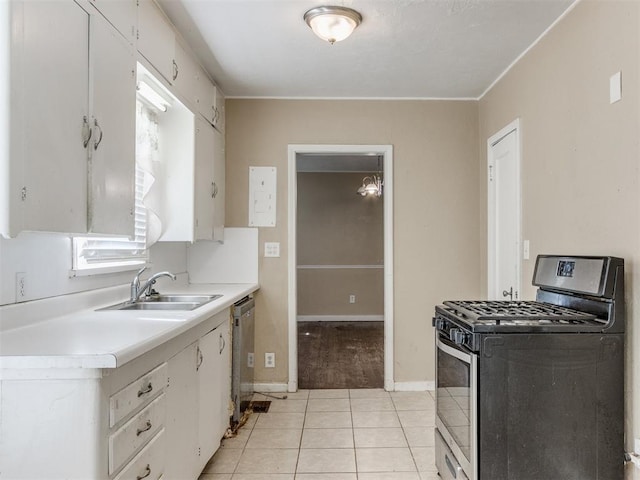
(35, 335)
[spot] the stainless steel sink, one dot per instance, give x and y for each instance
(159, 306)
(165, 302)
(170, 298)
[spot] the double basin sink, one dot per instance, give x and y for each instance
(165, 302)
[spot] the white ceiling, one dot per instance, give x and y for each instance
(402, 49)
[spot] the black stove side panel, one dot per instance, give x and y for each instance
(551, 407)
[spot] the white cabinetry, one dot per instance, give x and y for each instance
(137, 415)
(214, 392)
(156, 39)
(186, 83)
(198, 401)
(50, 74)
(113, 143)
(210, 101)
(195, 192)
(182, 418)
(47, 163)
(160, 415)
(122, 14)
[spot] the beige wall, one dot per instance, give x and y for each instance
(580, 155)
(436, 185)
(337, 227)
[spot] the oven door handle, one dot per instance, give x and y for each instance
(454, 352)
(454, 471)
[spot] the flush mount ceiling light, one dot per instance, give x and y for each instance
(332, 24)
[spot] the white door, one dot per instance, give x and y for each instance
(504, 214)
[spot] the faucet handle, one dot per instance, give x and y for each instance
(140, 271)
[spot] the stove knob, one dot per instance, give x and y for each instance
(457, 336)
(440, 323)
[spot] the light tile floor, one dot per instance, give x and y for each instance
(333, 435)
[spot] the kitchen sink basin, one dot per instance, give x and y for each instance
(200, 299)
(160, 306)
(165, 302)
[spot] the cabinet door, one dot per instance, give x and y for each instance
(113, 123)
(49, 71)
(208, 396)
(219, 179)
(224, 376)
(205, 96)
(122, 14)
(218, 109)
(182, 415)
(186, 82)
(205, 188)
(156, 39)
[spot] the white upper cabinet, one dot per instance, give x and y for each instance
(210, 101)
(122, 14)
(113, 141)
(219, 178)
(218, 109)
(186, 83)
(209, 183)
(63, 82)
(204, 192)
(45, 165)
(156, 40)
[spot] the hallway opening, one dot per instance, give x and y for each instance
(339, 269)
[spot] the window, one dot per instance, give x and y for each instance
(113, 254)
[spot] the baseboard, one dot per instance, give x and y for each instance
(340, 318)
(270, 387)
(399, 387)
(415, 386)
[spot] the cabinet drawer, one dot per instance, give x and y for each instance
(136, 432)
(149, 463)
(138, 393)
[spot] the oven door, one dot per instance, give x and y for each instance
(456, 402)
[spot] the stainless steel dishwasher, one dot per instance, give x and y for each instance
(242, 357)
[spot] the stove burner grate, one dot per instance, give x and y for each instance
(517, 310)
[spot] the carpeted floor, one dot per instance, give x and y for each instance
(340, 355)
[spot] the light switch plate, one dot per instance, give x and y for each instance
(615, 87)
(250, 360)
(272, 249)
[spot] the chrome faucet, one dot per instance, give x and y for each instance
(137, 291)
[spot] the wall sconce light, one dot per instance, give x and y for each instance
(332, 24)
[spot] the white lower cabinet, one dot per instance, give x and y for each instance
(198, 401)
(149, 463)
(161, 415)
(214, 391)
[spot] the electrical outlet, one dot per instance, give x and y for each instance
(250, 359)
(352, 299)
(269, 360)
(21, 286)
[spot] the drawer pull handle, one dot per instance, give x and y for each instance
(145, 390)
(147, 472)
(146, 428)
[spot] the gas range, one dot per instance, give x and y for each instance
(512, 373)
(582, 303)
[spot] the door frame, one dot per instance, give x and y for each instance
(386, 151)
(491, 204)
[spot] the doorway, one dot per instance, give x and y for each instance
(321, 263)
(504, 264)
